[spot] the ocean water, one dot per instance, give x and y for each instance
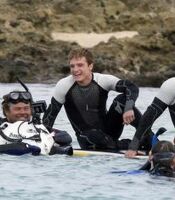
(77, 178)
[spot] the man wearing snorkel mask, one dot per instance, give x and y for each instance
(18, 106)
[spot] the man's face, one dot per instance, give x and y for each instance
(19, 112)
(81, 70)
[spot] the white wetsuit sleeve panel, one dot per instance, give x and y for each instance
(58, 99)
(167, 92)
(62, 87)
(110, 82)
(107, 82)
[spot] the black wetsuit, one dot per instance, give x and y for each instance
(95, 127)
(164, 99)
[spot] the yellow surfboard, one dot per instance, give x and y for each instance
(79, 152)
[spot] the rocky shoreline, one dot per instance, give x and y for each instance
(28, 50)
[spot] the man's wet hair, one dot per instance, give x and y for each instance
(81, 52)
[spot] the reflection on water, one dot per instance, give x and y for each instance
(62, 177)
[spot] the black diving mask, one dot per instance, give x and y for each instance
(18, 96)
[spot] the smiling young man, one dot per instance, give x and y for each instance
(84, 95)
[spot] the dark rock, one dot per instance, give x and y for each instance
(28, 51)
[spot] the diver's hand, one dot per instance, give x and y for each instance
(128, 117)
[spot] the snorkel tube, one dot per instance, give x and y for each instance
(23, 85)
(155, 136)
(155, 140)
(38, 107)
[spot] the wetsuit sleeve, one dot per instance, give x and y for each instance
(51, 113)
(152, 113)
(130, 90)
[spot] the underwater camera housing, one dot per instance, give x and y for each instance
(39, 106)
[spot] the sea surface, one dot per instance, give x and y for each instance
(78, 178)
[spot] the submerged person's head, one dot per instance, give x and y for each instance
(163, 146)
(164, 164)
(16, 106)
(163, 159)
